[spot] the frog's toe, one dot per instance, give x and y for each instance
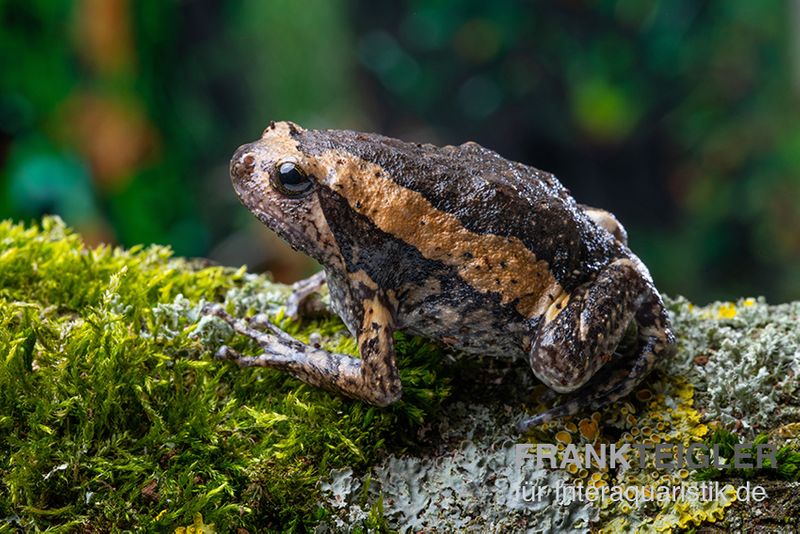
(226, 353)
(305, 300)
(548, 396)
(571, 407)
(589, 399)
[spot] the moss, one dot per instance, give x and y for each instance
(787, 459)
(114, 413)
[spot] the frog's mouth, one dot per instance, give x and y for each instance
(292, 234)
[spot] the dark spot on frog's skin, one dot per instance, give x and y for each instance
(370, 343)
(497, 281)
(358, 204)
(422, 223)
(249, 160)
(293, 129)
(468, 255)
(503, 264)
(377, 174)
(514, 281)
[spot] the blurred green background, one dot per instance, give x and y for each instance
(680, 116)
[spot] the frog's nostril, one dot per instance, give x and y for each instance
(242, 163)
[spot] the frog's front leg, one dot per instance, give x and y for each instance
(374, 378)
(300, 301)
(575, 340)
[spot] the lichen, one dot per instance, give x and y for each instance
(662, 412)
(675, 405)
(115, 414)
(469, 483)
(744, 359)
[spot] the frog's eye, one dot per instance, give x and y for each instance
(291, 180)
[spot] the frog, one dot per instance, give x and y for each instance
(455, 244)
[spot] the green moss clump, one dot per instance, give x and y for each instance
(115, 415)
(787, 459)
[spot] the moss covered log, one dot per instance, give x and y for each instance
(115, 414)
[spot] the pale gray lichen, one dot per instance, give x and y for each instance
(472, 482)
(743, 358)
(343, 491)
(255, 295)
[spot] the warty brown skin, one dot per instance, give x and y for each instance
(455, 244)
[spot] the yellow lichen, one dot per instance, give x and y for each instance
(664, 414)
(790, 430)
(726, 311)
(197, 527)
(588, 429)
(572, 468)
(564, 437)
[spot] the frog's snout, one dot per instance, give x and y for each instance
(243, 164)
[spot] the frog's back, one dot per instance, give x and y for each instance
(488, 195)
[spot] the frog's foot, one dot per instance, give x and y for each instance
(577, 342)
(609, 375)
(610, 386)
(304, 300)
(374, 378)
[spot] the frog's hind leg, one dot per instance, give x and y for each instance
(616, 384)
(606, 220)
(581, 339)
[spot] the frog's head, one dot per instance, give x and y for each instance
(327, 192)
(279, 184)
